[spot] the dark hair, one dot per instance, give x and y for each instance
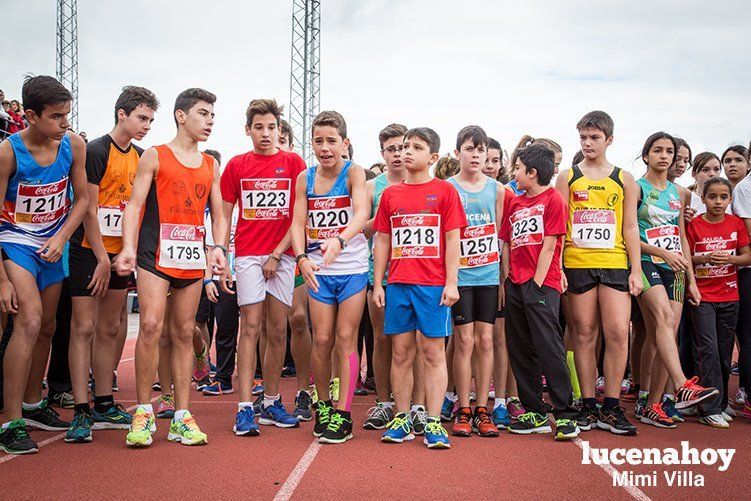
(682, 143)
(286, 129)
(331, 119)
(716, 180)
(542, 159)
(701, 159)
(737, 148)
(493, 144)
(426, 134)
(597, 120)
(446, 167)
(132, 96)
(475, 133)
(189, 97)
(380, 165)
(42, 91)
(351, 151)
(263, 107)
(578, 158)
(369, 174)
(651, 140)
(215, 154)
(391, 131)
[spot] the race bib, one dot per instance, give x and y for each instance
(110, 221)
(416, 236)
(328, 216)
(527, 226)
(181, 247)
(666, 237)
(593, 229)
(479, 246)
(265, 198)
(41, 205)
(708, 247)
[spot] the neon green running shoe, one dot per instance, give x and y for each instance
(141, 429)
(186, 431)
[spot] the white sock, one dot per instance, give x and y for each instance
(242, 405)
(451, 396)
(417, 407)
(147, 407)
(268, 400)
(31, 407)
(499, 402)
(388, 405)
(180, 414)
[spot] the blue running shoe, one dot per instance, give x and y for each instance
(217, 388)
(447, 410)
(258, 388)
(398, 430)
(278, 416)
(668, 405)
(436, 436)
(245, 423)
(80, 428)
(501, 417)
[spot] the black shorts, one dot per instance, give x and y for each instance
(502, 312)
(476, 304)
(82, 263)
(581, 280)
(174, 283)
(204, 308)
(674, 283)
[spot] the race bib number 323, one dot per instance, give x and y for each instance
(528, 226)
(416, 236)
(181, 247)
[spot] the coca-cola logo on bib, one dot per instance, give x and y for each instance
(49, 189)
(478, 260)
(594, 217)
(183, 233)
(718, 271)
(474, 231)
(324, 203)
(413, 251)
(266, 184)
(413, 221)
(667, 230)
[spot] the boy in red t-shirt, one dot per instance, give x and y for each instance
(531, 232)
(719, 243)
(418, 225)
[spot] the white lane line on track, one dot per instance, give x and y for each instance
(633, 491)
(289, 486)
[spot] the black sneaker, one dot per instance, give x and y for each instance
(157, 386)
(258, 405)
(324, 411)
(566, 429)
(615, 421)
(45, 418)
(339, 429)
(530, 422)
(303, 407)
(62, 399)
(378, 417)
(16, 440)
(587, 418)
(203, 383)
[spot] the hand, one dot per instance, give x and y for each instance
(100, 280)
(217, 261)
(225, 282)
(450, 295)
(269, 267)
(379, 296)
(125, 262)
(719, 258)
(307, 270)
(635, 283)
(501, 296)
(564, 283)
(694, 296)
(331, 247)
(211, 292)
(8, 299)
(52, 249)
(689, 213)
(675, 261)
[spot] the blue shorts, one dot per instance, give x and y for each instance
(416, 307)
(335, 289)
(25, 256)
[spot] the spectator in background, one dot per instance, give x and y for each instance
(15, 123)
(378, 168)
(83, 136)
(17, 108)
(446, 167)
(5, 119)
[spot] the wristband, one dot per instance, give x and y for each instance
(224, 249)
(300, 257)
(277, 259)
(207, 281)
(342, 242)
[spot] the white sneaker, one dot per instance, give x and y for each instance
(740, 396)
(691, 411)
(714, 420)
(730, 412)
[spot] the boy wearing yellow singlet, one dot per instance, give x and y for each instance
(602, 238)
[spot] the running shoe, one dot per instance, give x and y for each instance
(668, 407)
(740, 396)
(115, 418)
(201, 365)
(203, 383)
(714, 420)
(217, 388)
(501, 417)
(691, 411)
(472, 397)
(257, 386)
(339, 429)
(462, 422)
(734, 369)
(566, 429)
(728, 414)
(186, 431)
(600, 385)
(587, 418)
(656, 416)
(515, 408)
(44, 418)
(369, 384)
(482, 424)
(157, 386)
(436, 436)
(626, 384)
(278, 416)
(141, 429)
(80, 428)
(258, 404)
(530, 422)
(691, 393)
(16, 440)
(360, 390)
(314, 393)
(212, 369)
(245, 423)
(614, 421)
(289, 371)
(641, 404)
(115, 386)
(447, 410)
(303, 407)
(334, 389)
(323, 416)
(746, 411)
(63, 400)
(166, 407)
(633, 392)
(399, 429)
(419, 419)
(379, 416)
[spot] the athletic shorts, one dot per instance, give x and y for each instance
(581, 280)
(416, 307)
(335, 289)
(174, 283)
(477, 303)
(252, 287)
(81, 264)
(502, 312)
(674, 283)
(204, 307)
(25, 256)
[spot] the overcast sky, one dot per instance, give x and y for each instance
(511, 67)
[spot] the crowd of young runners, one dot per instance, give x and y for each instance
(564, 291)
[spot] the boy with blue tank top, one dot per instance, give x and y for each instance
(38, 168)
(479, 276)
(332, 252)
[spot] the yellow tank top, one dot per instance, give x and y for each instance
(594, 231)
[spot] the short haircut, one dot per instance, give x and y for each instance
(215, 154)
(736, 148)
(331, 119)
(716, 180)
(597, 120)
(286, 130)
(263, 107)
(189, 97)
(391, 131)
(475, 133)
(133, 96)
(651, 140)
(701, 159)
(426, 134)
(542, 159)
(42, 91)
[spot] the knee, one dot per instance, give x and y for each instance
(402, 355)
(183, 332)
(664, 316)
(81, 327)
(298, 321)
(484, 343)
(433, 356)
(585, 335)
(151, 329)
(464, 342)
(250, 327)
(47, 328)
(322, 343)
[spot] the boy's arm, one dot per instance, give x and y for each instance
(332, 247)
(8, 299)
(369, 195)
(450, 291)
(381, 252)
(297, 229)
(631, 233)
(545, 258)
(100, 279)
(744, 256)
(218, 254)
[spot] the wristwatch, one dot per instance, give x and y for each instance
(300, 257)
(342, 242)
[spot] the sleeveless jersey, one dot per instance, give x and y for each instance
(380, 182)
(37, 199)
(479, 257)
(594, 231)
(658, 215)
(328, 215)
(172, 233)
